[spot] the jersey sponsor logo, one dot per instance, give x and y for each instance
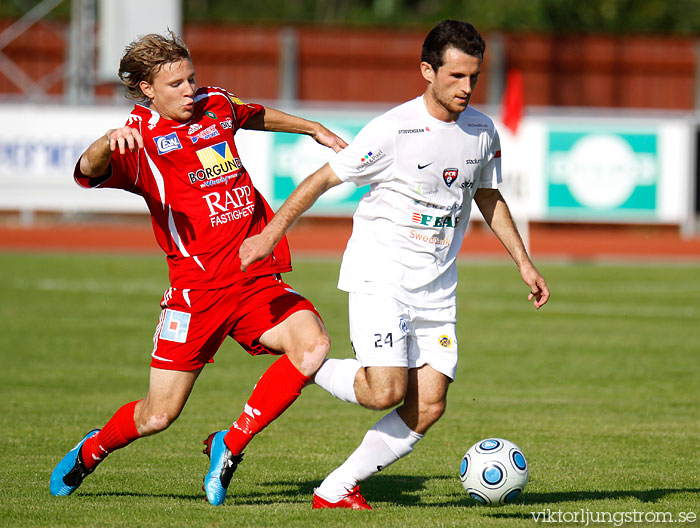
(421, 167)
(430, 205)
(413, 130)
(472, 161)
(230, 205)
(434, 221)
(467, 184)
(403, 326)
(449, 176)
(175, 326)
(211, 114)
(167, 143)
(428, 239)
(217, 161)
(207, 133)
(226, 124)
(193, 129)
(236, 100)
(370, 158)
(423, 192)
(445, 341)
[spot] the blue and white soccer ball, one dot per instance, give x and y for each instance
(494, 472)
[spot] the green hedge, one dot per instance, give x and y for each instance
(664, 17)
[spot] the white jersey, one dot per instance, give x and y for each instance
(423, 173)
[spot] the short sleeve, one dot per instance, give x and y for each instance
(243, 111)
(122, 173)
(366, 159)
(490, 175)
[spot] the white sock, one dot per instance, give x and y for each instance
(389, 440)
(337, 376)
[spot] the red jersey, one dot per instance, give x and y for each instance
(202, 201)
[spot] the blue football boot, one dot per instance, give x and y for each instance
(71, 470)
(222, 466)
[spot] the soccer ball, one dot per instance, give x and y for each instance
(494, 471)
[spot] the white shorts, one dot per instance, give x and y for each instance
(388, 333)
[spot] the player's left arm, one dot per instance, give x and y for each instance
(273, 120)
(497, 215)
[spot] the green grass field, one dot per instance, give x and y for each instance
(601, 390)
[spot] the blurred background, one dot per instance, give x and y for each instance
(597, 104)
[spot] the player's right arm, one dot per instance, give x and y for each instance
(348, 165)
(304, 196)
(95, 161)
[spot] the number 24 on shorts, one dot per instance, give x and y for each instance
(380, 341)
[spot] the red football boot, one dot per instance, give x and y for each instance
(352, 501)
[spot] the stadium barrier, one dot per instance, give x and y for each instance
(616, 167)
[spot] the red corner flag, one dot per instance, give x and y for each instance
(513, 100)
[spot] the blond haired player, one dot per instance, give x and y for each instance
(177, 151)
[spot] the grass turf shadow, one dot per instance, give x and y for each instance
(651, 495)
(397, 489)
(405, 490)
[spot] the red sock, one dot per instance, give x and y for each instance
(276, 390)
(119, 432)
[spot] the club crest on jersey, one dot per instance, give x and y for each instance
(167, 143)
(217, 161)
(450, 175)
(445, 341)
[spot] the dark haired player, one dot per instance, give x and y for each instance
(425, 161)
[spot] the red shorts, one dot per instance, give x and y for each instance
(194, 323)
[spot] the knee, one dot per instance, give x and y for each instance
(381, 388)
(319, 348)
(388, 396)
(431, 413)
(155, 421)
(311, 353)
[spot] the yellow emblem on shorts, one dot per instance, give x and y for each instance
(445, 341)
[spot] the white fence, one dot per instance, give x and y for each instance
(612, 168)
